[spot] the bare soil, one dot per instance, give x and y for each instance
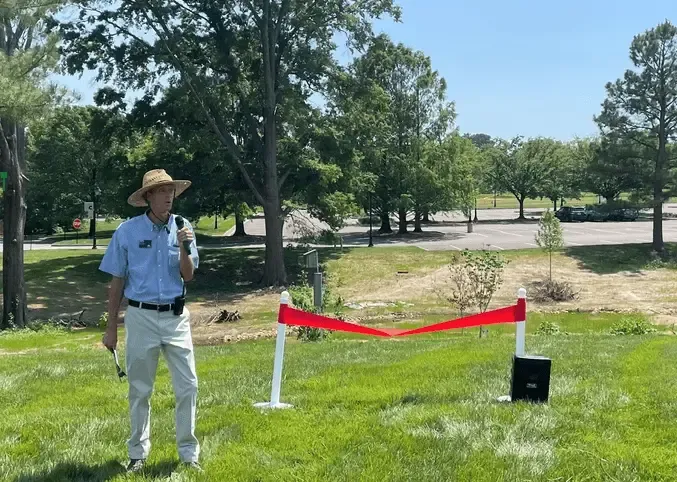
(653, 292)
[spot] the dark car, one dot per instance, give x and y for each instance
(570, 214)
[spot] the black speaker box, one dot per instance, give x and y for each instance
(530, 378)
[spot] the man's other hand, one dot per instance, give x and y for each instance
(110, 338)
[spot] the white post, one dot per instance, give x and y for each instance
(277, 365)
(521, 329)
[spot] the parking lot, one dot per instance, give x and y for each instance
(497, 230)
(518, 236)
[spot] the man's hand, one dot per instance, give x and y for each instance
(185, 234)
(110, 337)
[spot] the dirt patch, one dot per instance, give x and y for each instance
(653, 292)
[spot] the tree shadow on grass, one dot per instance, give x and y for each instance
(61, 287)
(240, 271)
(609, 259)
(74, 472)
(65, 285)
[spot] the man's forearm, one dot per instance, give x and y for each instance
(114, 299)
(186, 265)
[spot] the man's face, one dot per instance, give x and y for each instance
(160, 199)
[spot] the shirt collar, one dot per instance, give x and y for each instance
(158, 227)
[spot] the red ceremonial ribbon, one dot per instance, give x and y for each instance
(510, 314)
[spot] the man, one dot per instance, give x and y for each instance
(149, 264)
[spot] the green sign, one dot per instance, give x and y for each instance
(3, 176)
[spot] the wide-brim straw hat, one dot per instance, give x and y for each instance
(153, 179)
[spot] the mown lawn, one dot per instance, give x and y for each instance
(67, 281)
(205, 225)
(421, 408)
(104, 230)
(508, 201)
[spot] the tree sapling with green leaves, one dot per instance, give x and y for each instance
(549, 236)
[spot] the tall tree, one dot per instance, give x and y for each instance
(609, 166)
(642, 107)
(563, 180)
(75, 149)
(397, 104)
(521, 168)
(270, 55)
(27, 56)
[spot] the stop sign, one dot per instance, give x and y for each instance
(77, 224)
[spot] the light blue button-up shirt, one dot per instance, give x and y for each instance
(147, 256)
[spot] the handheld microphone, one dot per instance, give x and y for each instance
(179, 225)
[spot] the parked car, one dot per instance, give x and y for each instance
(570, 214)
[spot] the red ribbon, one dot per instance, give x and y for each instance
(511, 314)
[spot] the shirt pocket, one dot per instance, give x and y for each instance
(174, 256)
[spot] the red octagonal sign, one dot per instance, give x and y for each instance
(77, 224)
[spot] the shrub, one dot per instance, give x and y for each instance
(548, 327)
(103, 321)
(302, 298)
(635, 325)
(553, 291)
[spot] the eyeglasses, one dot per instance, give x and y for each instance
(121, 374)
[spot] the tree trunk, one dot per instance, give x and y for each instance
(14, 289)
(658, 223)
(402, 216)
(426, 216)
(417, 222)
(275, 273)
(385, 223)
(216, 221)
(659, 180)
(92, 225)
(239, 225)
(554, 202)
(92, 222)
(521, 201)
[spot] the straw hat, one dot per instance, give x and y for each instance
(153, 179)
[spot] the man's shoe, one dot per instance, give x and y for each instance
(135, 465)
(192, 466)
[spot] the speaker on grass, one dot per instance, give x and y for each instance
(530, 378)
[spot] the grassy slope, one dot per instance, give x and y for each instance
(365, 409)
(420, 408)
(66, 281)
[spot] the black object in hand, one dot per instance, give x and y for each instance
(121, 374)
(179, 226)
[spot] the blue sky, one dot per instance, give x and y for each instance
(531, 68)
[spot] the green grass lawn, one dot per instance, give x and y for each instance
(104, 230)
(104, 233)
(508, 201)
(66, 281)
(205, 225)
(419, 408)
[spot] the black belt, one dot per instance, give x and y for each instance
(151, 306)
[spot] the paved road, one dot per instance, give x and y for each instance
(449, 232)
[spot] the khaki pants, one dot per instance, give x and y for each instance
(147, 333)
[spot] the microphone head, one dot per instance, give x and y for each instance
(179, 222)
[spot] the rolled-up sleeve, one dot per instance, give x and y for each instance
(114, 260)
